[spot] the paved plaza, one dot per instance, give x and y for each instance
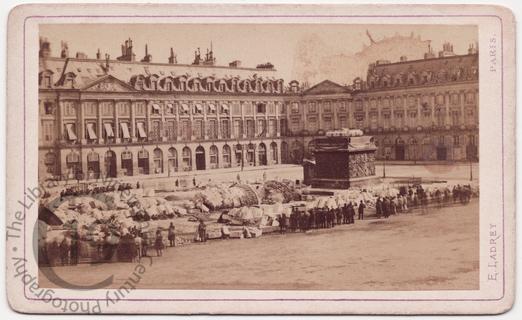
(431, 250)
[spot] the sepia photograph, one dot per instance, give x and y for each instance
(260, 159)
(258, 156)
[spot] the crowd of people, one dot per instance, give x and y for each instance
(137, 243)
(320, 218)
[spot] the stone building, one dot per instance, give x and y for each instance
(111, 118)
(417, 110)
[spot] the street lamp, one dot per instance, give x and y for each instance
(386, 156)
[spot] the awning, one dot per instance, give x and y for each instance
(185, 107)
(108, 130)
(199, 108)
(70, 132)
(212, 108)
(125, 130)
(141, 130)
(156, 106)
(91, 132)
(225, 108)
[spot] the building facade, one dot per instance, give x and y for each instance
(112, 118)
(417, 110)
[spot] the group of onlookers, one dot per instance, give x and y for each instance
(319, 218)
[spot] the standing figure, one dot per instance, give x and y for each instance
(145, 244)
(202, 231)
(282, 223)
(361, 210)
(172, 235)
(158, 244)
(378, 207)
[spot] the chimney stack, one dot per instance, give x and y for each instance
(172, 58)
(45, 48)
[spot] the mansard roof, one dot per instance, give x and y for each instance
(89, 70)
(421, 65)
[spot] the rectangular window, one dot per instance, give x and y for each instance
(184, 109)
(185, 130)
(312, 124)
(328, 124)
(327, 107)
(48, 108)
(312, 107)
(272, 127)
(156, 109)
(236, 108)
(238, 129)
(48, 130)
(198, 129)
(343, 122)
(212, 129)
(70, 129)
(225, 109)
(250, 128)
(171, 130)
(342, 106)
(225, 129)
(283, 123)
(261, 128)
(295, 107)
(125, 133)
(170, 108)
(123, 108)
(142, 133)
(198, 109)
(261, 108)
(91, 131)
(106, 108)
(212, 108)
(155, 133)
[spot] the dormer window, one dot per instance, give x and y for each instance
(46, 81)
(48, 108)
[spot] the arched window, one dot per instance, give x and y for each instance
(226, 156)
(274, 153)
(143, 161)
(284, 152)
(186, 156)
(251, 154)
(73, 164)
(173, 160)
(214, 160)
(158, 160)
(261, 154)
(126, 163)
(93, 165)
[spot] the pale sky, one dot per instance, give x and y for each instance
(251, 43)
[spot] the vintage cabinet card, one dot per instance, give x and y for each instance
(261, 159)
